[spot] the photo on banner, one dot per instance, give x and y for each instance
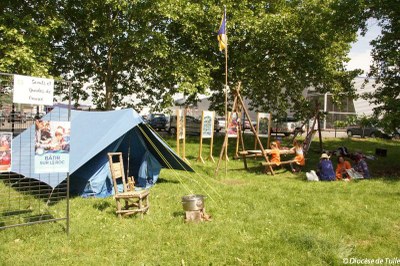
(5, 151)
(180, 124)
(233, 125)
(32, 90)
(207, 125)
(52, 146)
(263, 124)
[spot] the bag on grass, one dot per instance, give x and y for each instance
(312, 176)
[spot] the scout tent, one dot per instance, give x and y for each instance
(93, 135)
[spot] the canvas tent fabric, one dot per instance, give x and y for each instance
(93, 135)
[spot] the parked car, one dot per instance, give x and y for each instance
(152, 116)
(396, 134)
(368, 131)
(192, 125)
(16, 116)
(217, 125)
(286, 126)
(30, 116)
(221, 122)
(159, 123)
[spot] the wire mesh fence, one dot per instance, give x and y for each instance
(28, 201)
(27, 198)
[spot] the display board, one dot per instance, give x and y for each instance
(207, 124)
(5, 151)
(206, 132)
(263, 124)
(233, 125)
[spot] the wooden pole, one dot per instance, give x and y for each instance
(269, 129)
(184, 136)
(200, 158)
(239, 125)
(255, 132)
(224, 149)
(178, 130)
(226, 94)
(212, 140)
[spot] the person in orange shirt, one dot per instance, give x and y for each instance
(341, 168)
(275, 154)
(299, 155)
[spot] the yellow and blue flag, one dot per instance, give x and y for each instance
(222, 36)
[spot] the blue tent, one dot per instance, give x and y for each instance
(93, 135)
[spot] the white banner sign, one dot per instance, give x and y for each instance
(31, 90)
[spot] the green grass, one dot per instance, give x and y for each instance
(257, 219)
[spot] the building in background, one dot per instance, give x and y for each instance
(347, 107)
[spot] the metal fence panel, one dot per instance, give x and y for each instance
(24, 200)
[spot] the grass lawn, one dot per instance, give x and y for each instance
(257, 219)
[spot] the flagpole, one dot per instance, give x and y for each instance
(226, 99)
(223, 45)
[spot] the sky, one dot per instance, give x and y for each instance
(360, 53)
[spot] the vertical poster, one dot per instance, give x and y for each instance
(180, 124)
(263, 124)
(31, 90)
(233, 125)
(206, 132)
(52, 145)
(207, 125)
(5, 151)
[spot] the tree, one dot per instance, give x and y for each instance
(153, 49)
(278, 49)
(25, 29)
(128, 48)
(385, 69)
(101, 43)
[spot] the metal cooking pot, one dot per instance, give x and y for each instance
(193, 202)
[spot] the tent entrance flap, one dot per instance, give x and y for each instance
(149, 171)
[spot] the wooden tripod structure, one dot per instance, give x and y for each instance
(311, 131)
(238, 106)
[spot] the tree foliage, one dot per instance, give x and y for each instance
(279, 48)
(153, 49)
(385, 69)
(25, 31)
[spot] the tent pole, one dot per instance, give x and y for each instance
(129, 155)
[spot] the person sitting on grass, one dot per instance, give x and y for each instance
(325, 170)
(361, 166)
(299, 156)
(341, 173)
